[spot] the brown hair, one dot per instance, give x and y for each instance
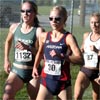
(35, 9)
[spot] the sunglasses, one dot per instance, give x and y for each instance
(26, 11)
(56, 18)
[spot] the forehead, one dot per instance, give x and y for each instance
(26, 5)
(95, 18)
(54, 13)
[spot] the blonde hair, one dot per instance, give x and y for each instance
(62, 10)
(95, 15)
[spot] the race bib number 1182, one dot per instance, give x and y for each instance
(23, 55)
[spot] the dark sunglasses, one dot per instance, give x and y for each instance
(26, 11)
(56, 18)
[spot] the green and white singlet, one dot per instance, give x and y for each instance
(24, 58)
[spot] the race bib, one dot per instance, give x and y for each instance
(91, 60)
(52, 67)
(23, 55)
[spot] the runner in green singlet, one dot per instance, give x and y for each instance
(25, 37)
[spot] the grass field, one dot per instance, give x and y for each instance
(77, 32)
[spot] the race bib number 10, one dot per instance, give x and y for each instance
(53, 68)
(23, 55)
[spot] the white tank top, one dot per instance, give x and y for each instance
(91, 57)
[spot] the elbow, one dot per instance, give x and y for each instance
(80, 60)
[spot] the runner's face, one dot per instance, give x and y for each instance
(56, 20)
(95, 24)
(27, 13)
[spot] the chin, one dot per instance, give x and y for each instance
(54, 28)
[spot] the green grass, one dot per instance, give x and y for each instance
(44, 12)
(41, 10)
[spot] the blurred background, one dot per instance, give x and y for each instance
(79, 12)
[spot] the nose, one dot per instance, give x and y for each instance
(53, 20)
(26, 13)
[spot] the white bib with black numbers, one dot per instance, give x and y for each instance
(52, 67)
(91, 59)
(23, 55)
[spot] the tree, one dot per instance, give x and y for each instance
(82, 12)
